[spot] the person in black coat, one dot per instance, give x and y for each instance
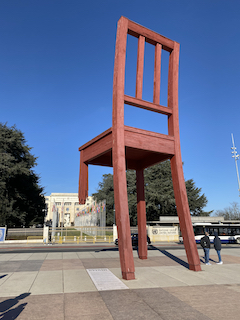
(205, 243)
(218, 247)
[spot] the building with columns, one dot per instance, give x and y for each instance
(67, 205)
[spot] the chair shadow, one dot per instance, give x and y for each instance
(171, 256)
(2, 276)
(107, 249)
(176, 259)
(151, 247)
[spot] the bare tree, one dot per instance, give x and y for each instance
(230, 213)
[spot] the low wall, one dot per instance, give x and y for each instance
(157, 234)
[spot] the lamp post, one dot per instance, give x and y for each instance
(62, 209)
(114, 222)
(236, 157)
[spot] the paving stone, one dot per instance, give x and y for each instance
(127, 305)
(48, 282)
(72, 264)
(52, 265)
(9, 266)
(43, 307)
(88, 305)
(77, 281)
(17, 283)
(93, 263)
(30, 265)
(167, 305)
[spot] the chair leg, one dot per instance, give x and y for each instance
(184, 214)
(83, 181)
(141, 215)
(122, 220)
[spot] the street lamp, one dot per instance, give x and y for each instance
(236, 157)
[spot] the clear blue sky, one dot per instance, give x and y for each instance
(56, 71)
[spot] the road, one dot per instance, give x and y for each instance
(90, 247)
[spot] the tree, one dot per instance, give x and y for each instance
(159, 194)
(195, 200)
(21, 198)
(230, 213)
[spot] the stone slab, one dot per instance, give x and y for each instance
(104, 279)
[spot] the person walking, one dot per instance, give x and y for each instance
(205, 243)
(218, 247)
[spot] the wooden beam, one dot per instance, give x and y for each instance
(147, 105)
(149, 142)
(152, 37)
(97, 149)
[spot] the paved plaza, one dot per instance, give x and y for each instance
(88, 285)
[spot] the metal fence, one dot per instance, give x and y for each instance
(91, 231)
(23, 233)
(65, 234)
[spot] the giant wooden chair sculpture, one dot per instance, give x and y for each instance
(124, 147)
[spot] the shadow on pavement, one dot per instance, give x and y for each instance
(151, 247)
(13, 313)
(7, 310)
(107, 249)
(174, 258)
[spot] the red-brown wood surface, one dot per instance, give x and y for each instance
(157, 74)
(140, 63)
(97, 149)
(141, 215)
(118, 155)
(152, 37)
(83, 181)
(177, 170)
(145, 141)
(125, 147)
(146, 105)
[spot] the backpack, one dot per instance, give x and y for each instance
(203, 243)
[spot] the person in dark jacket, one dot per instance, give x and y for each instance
(205, 243)
(218, 247)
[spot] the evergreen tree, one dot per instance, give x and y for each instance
(159, 195)
(21, 198)
(195, 200)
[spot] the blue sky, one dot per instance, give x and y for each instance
(56, 72)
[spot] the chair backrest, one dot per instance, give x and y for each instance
(143, 34)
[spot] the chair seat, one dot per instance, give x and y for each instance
(142, 148)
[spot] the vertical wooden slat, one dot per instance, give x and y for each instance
(140, 64)
(157, 74)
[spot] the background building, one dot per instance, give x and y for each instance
(67, 207)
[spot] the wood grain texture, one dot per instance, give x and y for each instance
(126, 147)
